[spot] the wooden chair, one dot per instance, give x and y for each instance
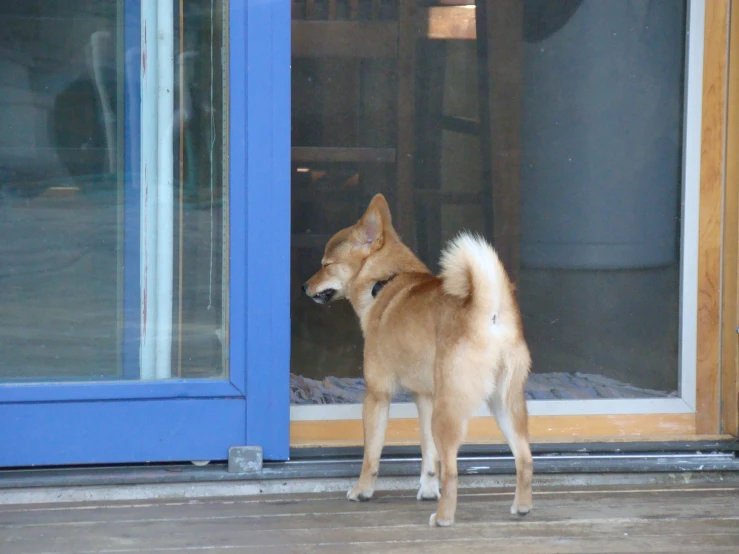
(497, 25)
(349, 42)
(356, 33)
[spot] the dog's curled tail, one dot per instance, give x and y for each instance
(471, 270)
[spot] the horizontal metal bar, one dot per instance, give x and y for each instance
(729, 445)
(399, 467)
(389, 467)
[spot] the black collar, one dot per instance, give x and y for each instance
(379, 285)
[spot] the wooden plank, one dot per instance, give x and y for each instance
(263, 517)
(484, 429)
(710, 498)
(710, 227)
(729, 279)
(500, 78)
(619, 519)
(406, 121)
(345, 39)
(447, 23)
(554, 503)
(580, 535)
(342, 155)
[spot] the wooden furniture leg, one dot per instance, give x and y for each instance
(406, 115)
(500, 56)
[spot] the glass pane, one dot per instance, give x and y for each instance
(563, 147)
(99, 266)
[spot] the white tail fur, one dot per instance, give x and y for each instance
(470, 269)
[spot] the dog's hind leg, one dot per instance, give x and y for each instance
(429, 486)
(449, 427)
(508, 405)
(374, 418)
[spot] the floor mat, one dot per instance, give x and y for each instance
(540, 386)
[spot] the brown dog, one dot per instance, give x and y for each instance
(455, 341)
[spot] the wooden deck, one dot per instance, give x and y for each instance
(699, 518)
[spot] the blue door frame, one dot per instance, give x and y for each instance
(178, 420)
(260, 216)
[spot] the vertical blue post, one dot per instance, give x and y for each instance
(260, 217)
(131, 195)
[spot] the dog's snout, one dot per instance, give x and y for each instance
(305, 287)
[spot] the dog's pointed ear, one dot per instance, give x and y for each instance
(369, 230)
(375, 223)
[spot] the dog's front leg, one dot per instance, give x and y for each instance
(429, 486)
(374, 418)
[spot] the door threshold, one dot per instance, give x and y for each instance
(327, 471)
(724, 444)
(186, 492)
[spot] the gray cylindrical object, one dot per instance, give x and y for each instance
(602, 128)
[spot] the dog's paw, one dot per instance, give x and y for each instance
(522, 510)
(429, 489)
(434, 521)
(358, 494)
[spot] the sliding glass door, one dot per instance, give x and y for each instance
(133, 326)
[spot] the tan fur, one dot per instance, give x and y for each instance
(455, 341)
